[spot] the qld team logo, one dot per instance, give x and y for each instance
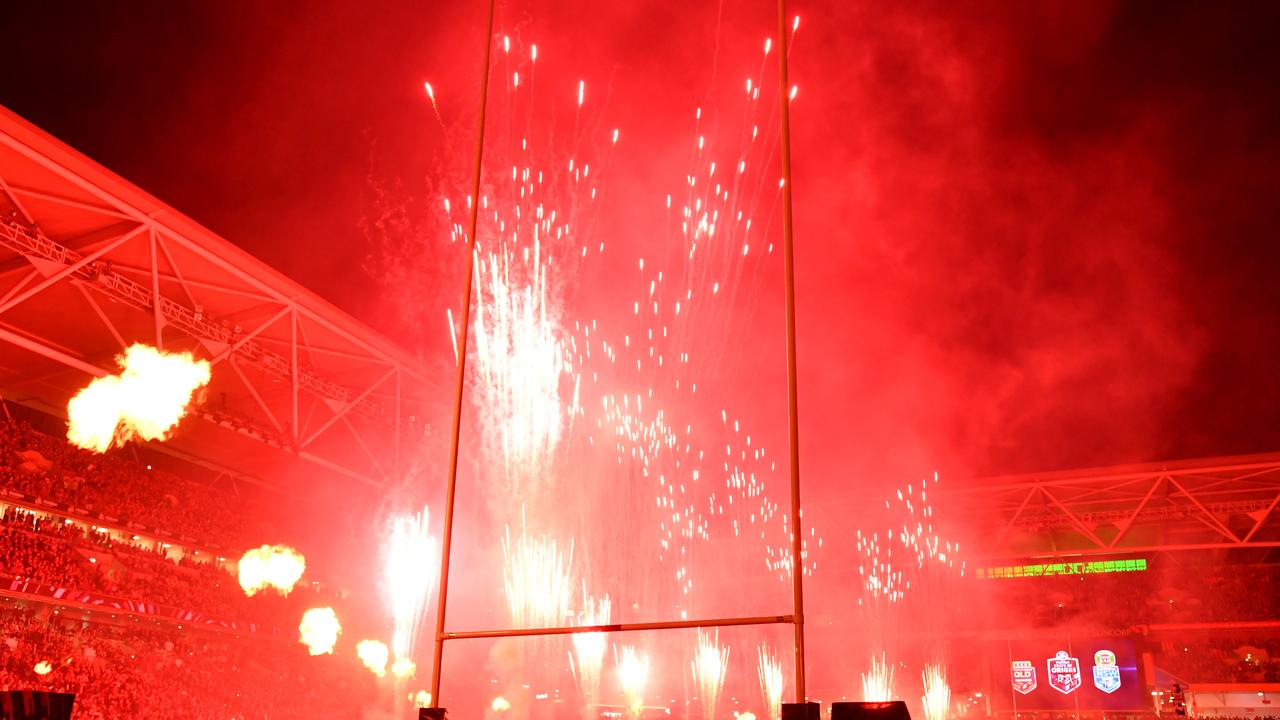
(1024, 676)
(1106, 674)
(1064, 673)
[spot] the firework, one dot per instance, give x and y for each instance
(916, 533)
(146, 400)
(770, 670)
(319, 630)
(908, 567)
(500, 704)
(411, 555)
(588, 649)
(633, 677)
(42, 668)
(882, 582)
(877, 682)
(710, 663)
(536, 580)
(421, 699)
(526, 376)
(276, 566)
(937, 693)
(374, 654)
(628, 388)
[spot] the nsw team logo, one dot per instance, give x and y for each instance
(1024, 676)
(1106, 674)
(1064, 673)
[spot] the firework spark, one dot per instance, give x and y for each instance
(146, 400)
(588, 649)
(710, 663)
(633, 677)
(411, 555)
(770, 670)
(877, 682)
(937, 693)
(319, 630)
(374, 654)
(882, 581)
(527, 384)
(536, 578)
(274, 566)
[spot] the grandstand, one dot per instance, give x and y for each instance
(119, 569)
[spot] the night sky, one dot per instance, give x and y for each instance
(1030, 235)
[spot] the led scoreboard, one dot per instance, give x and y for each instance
(1069, 673)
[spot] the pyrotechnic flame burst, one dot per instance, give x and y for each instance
(633, 677)
(770, 670)
(403, 668)
(588, 649)
(277, 566)
(710, 663)
(536, 580)
(499, 704)
(937, 693)
(411, 557)
(374, 654)
(877, 682)
(421, 699)
(42, 668)
(146, 400)
(319, 630)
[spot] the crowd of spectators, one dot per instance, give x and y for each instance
(1160, 595)
(162, 673)
(1244, 659)
(117, 485)
(120, 666)
(50, 550)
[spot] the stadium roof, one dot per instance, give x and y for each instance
(90, 264)
(1219, 504)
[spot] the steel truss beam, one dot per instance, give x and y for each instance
(34, 245)
(1210, 504)
(80, 191)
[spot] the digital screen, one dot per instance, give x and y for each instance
(1063, 568)
(1069, 673)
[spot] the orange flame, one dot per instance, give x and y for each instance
(319, 630)
(403, 668)
(146, 400)
(374, 654)
(277, 566)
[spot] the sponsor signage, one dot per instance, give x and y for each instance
(1071, 674)
(1106, 674)
(1023, 673)
(1064, 673)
